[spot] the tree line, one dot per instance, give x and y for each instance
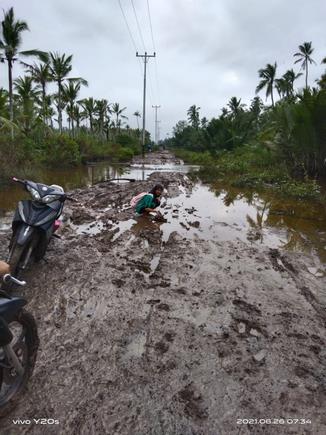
(292, 128)
(28, 109)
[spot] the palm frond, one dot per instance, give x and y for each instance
(42, 55)
(78, 80)
(6, 123)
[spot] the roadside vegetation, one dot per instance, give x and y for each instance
(39, 127)
(280, 146)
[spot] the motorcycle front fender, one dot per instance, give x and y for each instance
(24, 234)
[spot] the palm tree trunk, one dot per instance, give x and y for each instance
(59, 107)
(272, 97)
(91, 122)
(11, 106)
(44, 108)
(306, 74)
(11, 103)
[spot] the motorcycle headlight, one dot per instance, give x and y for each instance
(34, 193)
(50, 198)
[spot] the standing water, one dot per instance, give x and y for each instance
(218, 212)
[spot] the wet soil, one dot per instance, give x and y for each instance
(157, 328)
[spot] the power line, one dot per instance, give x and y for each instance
(152, 36)
(131, 37)
(151, 93)
(130, 34)
(135, 47)
(150, 24)
(138, 26)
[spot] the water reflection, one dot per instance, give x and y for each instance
(299, 225)
(224, 212)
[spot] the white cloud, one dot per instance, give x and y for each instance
(207, 51)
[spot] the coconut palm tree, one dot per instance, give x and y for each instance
(10, 43)
(102, 108)
(47, 109)
(77, 115)
(60, 67)
(41, 75)
(117, 112)
(137, 115)
(204, 122)
(267, 76)
(70, 93)
(281, 86)
(89, 107)
(193, 116)
(290, 76)
(304, 56)
(224, 113)
(26, 96)
(235, 106)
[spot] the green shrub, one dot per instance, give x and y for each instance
(61, 149)
(124, 154)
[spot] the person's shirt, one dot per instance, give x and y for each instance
(147, 201)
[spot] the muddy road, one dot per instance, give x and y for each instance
(147, 330)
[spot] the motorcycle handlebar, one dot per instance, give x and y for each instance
(17, 180)
(7, 278)
(69, 198)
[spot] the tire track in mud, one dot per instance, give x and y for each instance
(214, 333)
(281, 263)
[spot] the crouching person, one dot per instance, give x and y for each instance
(145, 203)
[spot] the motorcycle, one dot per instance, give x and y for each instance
(34, 223)
(18, 344)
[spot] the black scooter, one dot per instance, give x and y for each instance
(19, 343)
(34, 223)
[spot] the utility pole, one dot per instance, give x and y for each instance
(145, 56)
(156, 125)
(158, 132)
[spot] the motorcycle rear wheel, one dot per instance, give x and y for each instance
(25, 344)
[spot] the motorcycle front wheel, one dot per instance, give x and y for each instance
(16, 260)
(25, 344)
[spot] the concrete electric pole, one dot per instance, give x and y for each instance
(156, 123)
(145, 56)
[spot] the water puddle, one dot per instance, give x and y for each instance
(91, 228)
(5, 221)
(228, 215)
(218, 213)
(122, 227)
(155, 262)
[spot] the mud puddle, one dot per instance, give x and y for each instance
(182, 327)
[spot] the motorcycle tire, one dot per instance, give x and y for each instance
(14, 262)
(13, 385)
(16, 259)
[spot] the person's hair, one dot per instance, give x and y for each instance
(155, 188)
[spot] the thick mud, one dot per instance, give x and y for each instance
(158, 328)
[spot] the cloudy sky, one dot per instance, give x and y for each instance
(207, 50)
